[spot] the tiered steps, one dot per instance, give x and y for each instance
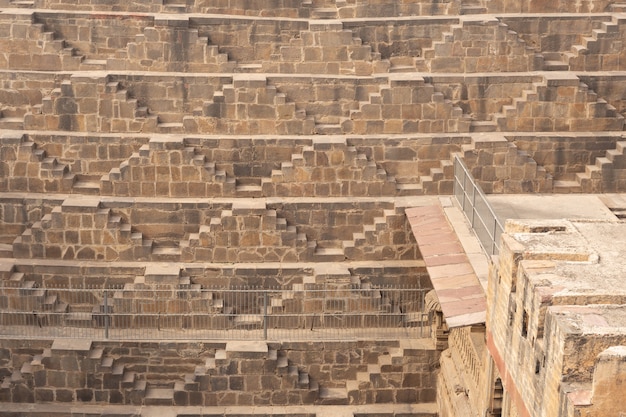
(606, 175)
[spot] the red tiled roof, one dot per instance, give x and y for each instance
(460, 294)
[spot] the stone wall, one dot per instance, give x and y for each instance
(528, 313)
(283, 8)
(461, 378)
(280, 105)
(109, 164)
(210, 374)
(88, 228)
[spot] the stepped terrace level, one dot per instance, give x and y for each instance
(234, 208)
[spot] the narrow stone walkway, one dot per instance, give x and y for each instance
(460, 294)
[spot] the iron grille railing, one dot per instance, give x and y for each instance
(188, 312)
(477, 209)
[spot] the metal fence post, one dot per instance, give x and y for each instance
(106, 314)
(265, 315)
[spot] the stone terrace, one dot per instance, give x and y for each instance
(189, 145)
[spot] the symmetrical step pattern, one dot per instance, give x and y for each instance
(479, 45)
(330, 168)
(32, 47)
(247, 233)
(98, 104)
(170, 45)
(406, 104)
(326, 48)
(251, 106)
(220, 374)
(165, 167)
(81, 229)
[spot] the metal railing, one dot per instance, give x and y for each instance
(477, 209)
(302, 312)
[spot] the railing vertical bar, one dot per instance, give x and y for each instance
(265, 315)
(106, 314)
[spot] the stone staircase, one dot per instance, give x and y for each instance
(478, 44)
(259, 107)
(326, 48)
(328, 167)
(81, 229)
(520, 115)
(51, 53)
(44, 305)
(416, 106)
(32, 169)
(237, 234)
(606, 175)
(166, 167)
(375, 241)
(196, 54)
(519, 174)
(115, 109)
(597, 52)
(255, 373)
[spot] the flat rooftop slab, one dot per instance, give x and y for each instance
(573, 259)
(553, 206)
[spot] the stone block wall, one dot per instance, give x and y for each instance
(87, 228)
(481, 45)
(541, 6)
(499, 166)
(561, 155)
(280, 105)
(109, 164)
(402, 42)
(21, 93)
(217, 373)
(81, 229)
(548, 34)
(528, 312)
(461, 373)
(267, 8)
(146, 281)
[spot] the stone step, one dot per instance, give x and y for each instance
(618, 7)
(329, 254)
(472, 9)
(324, 13)
(555, 66)
(93, 64)
(12, 123)
(79, 319)
(6, 250)
(159, 396)
(483, 126)
(333, 396)
(166, 254)
(566, 187)
(409, 189)
(89, 187)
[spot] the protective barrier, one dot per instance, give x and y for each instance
(476, 208)
(141, 312)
